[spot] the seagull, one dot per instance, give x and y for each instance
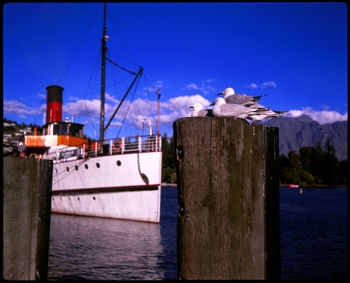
(200, 111)
(262, 114)
(258, 107)
(235, 98)
(221, 108)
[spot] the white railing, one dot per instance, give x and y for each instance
(110, 147)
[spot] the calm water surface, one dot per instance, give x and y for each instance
(313, 233)
(313, 241)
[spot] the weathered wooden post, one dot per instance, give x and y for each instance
(228, 199)
(26, 218)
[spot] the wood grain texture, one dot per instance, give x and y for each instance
(221, 171)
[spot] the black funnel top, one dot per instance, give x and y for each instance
(54, 93)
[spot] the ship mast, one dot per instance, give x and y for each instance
(103, 80)
(103, 75)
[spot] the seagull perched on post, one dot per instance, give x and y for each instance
(258, 111)
(221, 108)
(200, 111)
(235, 98)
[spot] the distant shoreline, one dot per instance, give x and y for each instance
(169, 185)
(319, 186)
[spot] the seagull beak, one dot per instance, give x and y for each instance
(220, 93)
(212, 103)
(190, 107)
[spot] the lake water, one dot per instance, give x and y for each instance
(313, 241)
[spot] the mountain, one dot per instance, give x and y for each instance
(294, 133)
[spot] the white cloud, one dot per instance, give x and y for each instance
(111, 98)
(180, 102)
(42, 95)
(322, 117)
(263, 85)
(16, 107)
(204, 87)
(169, 118)
(115, 124)
(207, 89)
(192, 86)
(267, 84)
(252, 85)
(82, 107)
(158, 85)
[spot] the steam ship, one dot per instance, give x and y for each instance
(114, 178)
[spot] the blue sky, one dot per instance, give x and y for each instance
(296, 53)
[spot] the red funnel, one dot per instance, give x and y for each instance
(54, 104)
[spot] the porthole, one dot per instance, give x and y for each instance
(98, 165)
(67, 169)
(93, 198)
(119, 163)
(76, 167)
(56, 170)
(86, 166)
(78, 198)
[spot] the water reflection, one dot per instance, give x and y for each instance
(104, 249)
(313, 241)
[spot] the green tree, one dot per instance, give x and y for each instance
(305, 157)
(313, 166)
(284, 169)
(168, 162)
(317, 162)
(165, 150)
(295, 167)
(172, 159)
(331, 165)
(343, 172)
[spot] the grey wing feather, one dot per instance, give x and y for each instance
(242, 99)
(205, 112)
(238, 99)
(257, 98)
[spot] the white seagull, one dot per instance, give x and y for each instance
(221, 108)
(262, 114)
(235, 98)
(200, 111)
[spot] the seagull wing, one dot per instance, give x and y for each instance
(238, 99)
(202, 113)
(258, 106)
(257, 98)
(242, 99)
(231, 110)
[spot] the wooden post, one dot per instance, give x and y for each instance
(26, 218)
(228, 200)
(272, 204)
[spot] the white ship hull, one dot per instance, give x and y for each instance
(124, 186)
